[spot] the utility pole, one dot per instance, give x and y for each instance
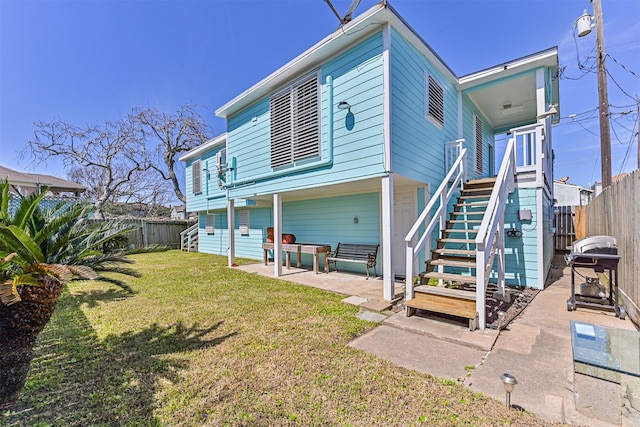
(638, 147)
(603, 97)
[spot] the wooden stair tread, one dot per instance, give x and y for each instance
(481, 203)
(469, 213)
(466, 263)
(455, 251)
(467, 221)
(461, 230)
(441, 290)
(450, 276)
(449, 240)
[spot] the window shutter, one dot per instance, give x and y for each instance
(478, 140)
(306, 136)
(209, 226)
(435, 100)
(196, 176)
(295, 122)
(244, 222)
(281, 130)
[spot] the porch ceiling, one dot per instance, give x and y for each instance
(508, 104)
(506, 93)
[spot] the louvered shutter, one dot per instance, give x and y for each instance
(306, 135)
(281, 134)
(196, 177)
(478, 141)
(435, 102)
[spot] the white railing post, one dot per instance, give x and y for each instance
(409, 273)
(481, 269)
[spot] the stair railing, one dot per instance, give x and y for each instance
(490, 237)
(188, 236)
(450, 184)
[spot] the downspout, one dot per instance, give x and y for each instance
(328, 161)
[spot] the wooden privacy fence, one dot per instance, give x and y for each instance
(616, 212)
(154, 232)
(570, 226)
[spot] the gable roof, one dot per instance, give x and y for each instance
(55, 184)
(197, 151)
(507, 79)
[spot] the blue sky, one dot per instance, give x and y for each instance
(90, 61)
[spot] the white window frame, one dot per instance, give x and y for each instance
(244, 222)
(196, 177)
(210, 223)
(478, 143)
(296, 126)
(433, 99)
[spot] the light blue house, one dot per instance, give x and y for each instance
(352, 139)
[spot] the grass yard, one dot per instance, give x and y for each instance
(198, 343)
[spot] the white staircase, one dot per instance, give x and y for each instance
(189, 239)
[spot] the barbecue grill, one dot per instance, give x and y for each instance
(599, 253)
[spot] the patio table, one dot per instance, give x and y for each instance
(299, 249)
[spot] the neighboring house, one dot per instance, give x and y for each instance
(179, 212)
(350, 140)
(23, 183)
(567, 194)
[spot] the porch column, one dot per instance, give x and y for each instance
(277, 235)
(231, 226)
(388, 275)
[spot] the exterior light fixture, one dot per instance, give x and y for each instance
(551, 112)
(509, 382)
(344, 105)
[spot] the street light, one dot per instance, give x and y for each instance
(583, 24)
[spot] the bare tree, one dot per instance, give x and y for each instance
(171, 135)
(107, 159)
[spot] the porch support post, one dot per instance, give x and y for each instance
(231, 227)
(277, 235)
(388, 275)
(500, 251)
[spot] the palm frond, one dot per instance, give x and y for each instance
(13, 238)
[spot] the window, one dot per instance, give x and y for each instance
(295, 122)
(209, 223)
(434, 99)
(244, 222)
(478, 140)
(196, 176)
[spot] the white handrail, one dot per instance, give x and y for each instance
(186, 236)
(457, 176)
(490, 237)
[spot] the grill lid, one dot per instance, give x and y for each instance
(594, 244)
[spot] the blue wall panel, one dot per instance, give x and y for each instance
(357, 135)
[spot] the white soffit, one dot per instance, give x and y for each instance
(213, 142)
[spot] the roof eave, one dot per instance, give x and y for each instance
(210, 144)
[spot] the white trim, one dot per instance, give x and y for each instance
(388, 275)
(540, 237)
(231, 225)
(460, 117)
(541, 93)
(212, 143)
(386, 83)
(277, 235)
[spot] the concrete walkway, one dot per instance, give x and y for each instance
(535, 348)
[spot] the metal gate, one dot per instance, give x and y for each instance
(564, 222)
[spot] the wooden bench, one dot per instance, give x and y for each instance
(357, 253)
(455, 302)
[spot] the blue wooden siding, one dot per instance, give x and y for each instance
(418, 142)
(521, 253)
(469, 110)
(212, 197)
(326, 221)
(357, 136)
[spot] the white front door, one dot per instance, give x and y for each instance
(404, 205)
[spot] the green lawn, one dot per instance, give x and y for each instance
(198, 343)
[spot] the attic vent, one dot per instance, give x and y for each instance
(209, 223)
(196, 177)
(295, 122)
(434, 99)
(478, 140)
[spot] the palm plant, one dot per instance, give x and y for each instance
(40, 251)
